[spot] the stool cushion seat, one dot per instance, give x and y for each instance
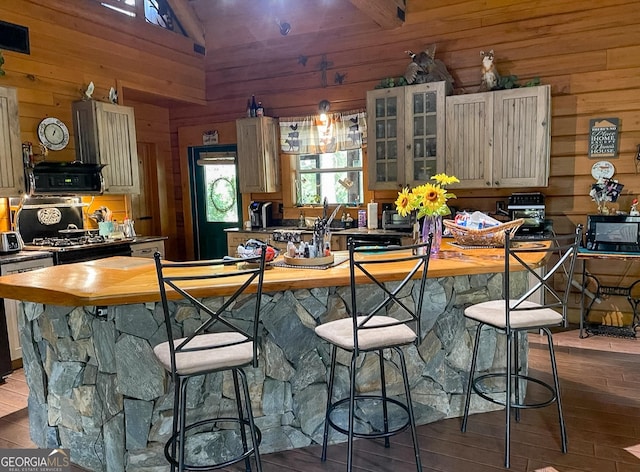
(210, 359)
(340, 333)
(493, 314)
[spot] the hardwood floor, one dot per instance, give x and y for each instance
(601, 398)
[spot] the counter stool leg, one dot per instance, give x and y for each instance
(182, 423)
(472, 370)
(243, 434)
(325, 435)
(252, 425)
(507, 437)
(176, 417)
(412, 419)
(352, 404)
(383, 382)
(516, 373)
(556, 383)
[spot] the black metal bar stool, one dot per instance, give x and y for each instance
(384, 326)
(222, 342)
(539, 307)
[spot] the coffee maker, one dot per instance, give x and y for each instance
(260, 214)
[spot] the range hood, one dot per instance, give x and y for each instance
(65, 178)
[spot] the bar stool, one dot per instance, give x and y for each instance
(381, 327)
(220, 343)
(542, 306)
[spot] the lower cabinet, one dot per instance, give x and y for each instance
(147, 248)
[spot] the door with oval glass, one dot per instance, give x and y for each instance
(215, 198)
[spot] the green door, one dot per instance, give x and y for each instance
(215, 198)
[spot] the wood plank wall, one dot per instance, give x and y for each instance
(73, 43)
(589, 52)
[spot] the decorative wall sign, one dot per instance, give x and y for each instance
(210, 137)
(603, 137)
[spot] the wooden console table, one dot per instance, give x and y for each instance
(607, 290)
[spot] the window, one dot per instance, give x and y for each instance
(157, 12)
(335, 176)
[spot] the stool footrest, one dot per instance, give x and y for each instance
(247, 452)
(372, 434)
(478, 380)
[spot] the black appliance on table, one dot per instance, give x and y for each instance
(613, 233)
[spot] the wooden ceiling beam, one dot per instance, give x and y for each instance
(188, 19)
(389, 14)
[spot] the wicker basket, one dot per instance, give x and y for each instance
(492, 236)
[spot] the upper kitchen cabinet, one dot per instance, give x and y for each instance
(11, 166)
(258, 169)
(105, 133)
(500, 138)
(406, 135)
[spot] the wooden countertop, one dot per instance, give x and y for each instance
(124, 280)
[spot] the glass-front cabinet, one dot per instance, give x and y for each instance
(406, 135)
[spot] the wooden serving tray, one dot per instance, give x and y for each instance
(308, 261)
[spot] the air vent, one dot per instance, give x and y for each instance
(14, 37)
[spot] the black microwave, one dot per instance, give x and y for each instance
(613, 233)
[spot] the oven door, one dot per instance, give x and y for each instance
(91, 252)
(533, 219)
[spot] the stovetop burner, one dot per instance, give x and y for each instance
(67, 242)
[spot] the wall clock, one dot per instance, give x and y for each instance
(53, 134)
(602, 170)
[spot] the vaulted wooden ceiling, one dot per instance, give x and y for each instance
(228, 23)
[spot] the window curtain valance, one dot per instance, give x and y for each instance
(315, 134)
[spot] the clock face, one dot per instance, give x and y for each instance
(53, 133)
(602, 170)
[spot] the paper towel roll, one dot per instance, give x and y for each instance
(372, 215)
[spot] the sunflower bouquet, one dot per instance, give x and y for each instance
(429, 199)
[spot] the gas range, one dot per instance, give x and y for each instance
(69, 250)
(43, 225)
(69, 243)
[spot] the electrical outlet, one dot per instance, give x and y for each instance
(102, 311)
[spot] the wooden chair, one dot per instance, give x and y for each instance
(541, 306)
(388, 322)
(222, 342)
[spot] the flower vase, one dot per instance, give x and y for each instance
(432, 224)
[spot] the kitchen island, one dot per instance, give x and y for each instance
(88, 330)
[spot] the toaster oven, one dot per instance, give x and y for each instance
(531, 208)
(391, 220)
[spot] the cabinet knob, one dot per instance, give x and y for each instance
(488, 184)
(496, 183)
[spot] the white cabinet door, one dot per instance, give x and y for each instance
(105, 133)
(11, 166)
(147, 249)
(500, 138)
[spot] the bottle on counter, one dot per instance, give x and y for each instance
(254, 106)
(248, 108)
(301, 221)
(260, 109)
(291, 249)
